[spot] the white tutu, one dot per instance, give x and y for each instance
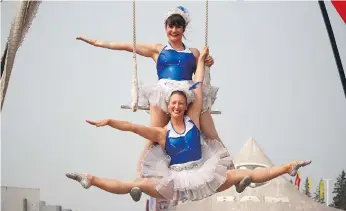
(190, 181)
(157, 95)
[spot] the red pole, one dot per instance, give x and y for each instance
(147, 205)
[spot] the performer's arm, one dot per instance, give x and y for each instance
(196, 53)
(146, 50)
(155, 134)
(195, 109)
(208, 61)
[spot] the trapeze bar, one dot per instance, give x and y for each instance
(146, 108)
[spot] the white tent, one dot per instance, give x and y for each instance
(276, 195)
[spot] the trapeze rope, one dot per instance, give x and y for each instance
(207, 79)
(134, 89)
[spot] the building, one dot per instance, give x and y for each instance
(20, 199)
(25, 199)
(276, 195)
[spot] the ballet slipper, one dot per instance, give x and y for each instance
(136, 194)
(297, 165)
(82, 178)
(245, 182)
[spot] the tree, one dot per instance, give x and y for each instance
(306, 190)
(339, 199)
(319, 194)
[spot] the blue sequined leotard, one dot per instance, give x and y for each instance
(176, 65)
(184, 147)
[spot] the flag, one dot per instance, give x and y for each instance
(147, 205)
(340, 7)
(309, 183)
(151, 204)
(297, 181)
(321, 189)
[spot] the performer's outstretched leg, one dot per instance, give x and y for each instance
(208, 126)
(209, 130)
(234, 176)
(113, 185)
(158, 118)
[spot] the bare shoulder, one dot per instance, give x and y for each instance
(157, 50)
(194, 117)
(195, 52)
(158, 47)
(162, 131)
(162, 136)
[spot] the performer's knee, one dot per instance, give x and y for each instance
(158, 118)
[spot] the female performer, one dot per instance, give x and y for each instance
(175, 64)
(179, 167)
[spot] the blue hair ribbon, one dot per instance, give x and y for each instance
(182, 8)
(194, 86)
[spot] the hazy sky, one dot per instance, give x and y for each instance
(273, 63)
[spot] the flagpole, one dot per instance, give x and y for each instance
(333, 43)
(327, 195)
(147, 205)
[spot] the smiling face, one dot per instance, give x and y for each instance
(175, 27)
(177, 104)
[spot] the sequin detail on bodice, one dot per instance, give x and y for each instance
(176, 65)
(184, 147)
